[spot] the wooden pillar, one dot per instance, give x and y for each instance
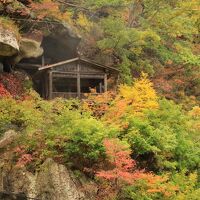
(78, 80)
(43, 62)
(50, 84)
(100, 87)
(105, 83)
(46, 86)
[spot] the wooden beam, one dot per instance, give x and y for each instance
(75, 72)
(58, 64)
(65, 75)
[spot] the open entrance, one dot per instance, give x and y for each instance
(65, 87)
(75, 86)
(89, 85)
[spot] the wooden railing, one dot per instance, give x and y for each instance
(68, 95)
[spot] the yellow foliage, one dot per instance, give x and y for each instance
(83, 22)
(133, 100)
(195, 112)
(140, 96)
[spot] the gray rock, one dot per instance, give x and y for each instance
(8, 138)
(8, 43)
(52, 182)
(29, 48)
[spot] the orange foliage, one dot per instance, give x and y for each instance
(133, 100)
(11, 85)
(123, 170)
(98, 105)
(123, 167)
(3, 91)
(23, 157)
(195, 112)
(48, 8)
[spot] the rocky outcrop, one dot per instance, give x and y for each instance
(58, 44)
(8, 138)
(52, 182)
(9, 45)
(29, 48)
(61, 43)
(59, 39)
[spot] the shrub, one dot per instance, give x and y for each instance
(3, 91)
(177, 187)
(13, 83)
(123, 174)
(164, 137)
(132, 100)
(82, 136)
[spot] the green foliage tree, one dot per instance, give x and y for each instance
(164, 137)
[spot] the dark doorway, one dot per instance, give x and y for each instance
(92, 84)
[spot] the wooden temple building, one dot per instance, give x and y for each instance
(72, 78)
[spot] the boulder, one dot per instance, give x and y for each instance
(29, 48)
(8, 138)
(52, 182)
(55, 181)
(9, 45)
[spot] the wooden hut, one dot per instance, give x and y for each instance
(72, 78)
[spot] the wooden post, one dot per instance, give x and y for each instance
(100, 87)
(78, 81)
(50, 84)
(43, 62)
(105, 83)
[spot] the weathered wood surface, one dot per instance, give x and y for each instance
(66, 95)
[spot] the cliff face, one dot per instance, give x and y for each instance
(61, 40)
(52, 182)
(27, 30)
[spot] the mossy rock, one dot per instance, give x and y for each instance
(29, 48)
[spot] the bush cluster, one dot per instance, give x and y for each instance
(146, 149)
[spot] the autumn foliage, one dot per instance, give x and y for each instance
(3, 91)
(123, 170)
(98, 105)
(121, 162)
(23, 157)
(129, 100)
(12, 85)
(48, 9)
